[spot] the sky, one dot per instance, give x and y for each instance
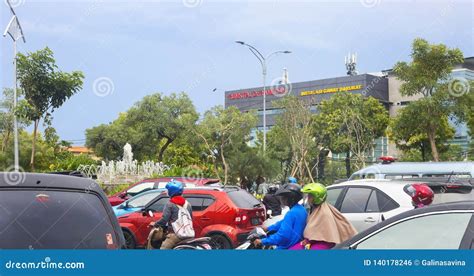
(130, 49)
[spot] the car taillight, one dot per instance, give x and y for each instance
(241, 218)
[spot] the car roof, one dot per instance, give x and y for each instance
(196, 181)
(451, 206)
(200, 190)
(41, 180)
(416, 168)
(372, 182)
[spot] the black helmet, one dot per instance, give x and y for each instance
(292, 192)
(272, 189)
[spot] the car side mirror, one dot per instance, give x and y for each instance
(123, 195)
(147, 213)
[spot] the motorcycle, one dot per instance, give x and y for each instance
(203, 243)
(256, 233)
(157, 236)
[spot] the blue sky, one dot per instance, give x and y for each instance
(142, 47)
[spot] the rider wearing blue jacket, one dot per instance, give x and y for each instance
(289, 231)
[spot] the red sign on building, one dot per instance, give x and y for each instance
(256, 93)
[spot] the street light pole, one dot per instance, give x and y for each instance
(15, 121)
(264, 77)
(263, 62)
(15, 31)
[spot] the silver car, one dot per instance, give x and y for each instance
(367, 202)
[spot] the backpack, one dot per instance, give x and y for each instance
(183, 225)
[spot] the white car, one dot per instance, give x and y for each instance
(275, 219)
(400, 170)
(367, 202)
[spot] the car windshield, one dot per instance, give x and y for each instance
(139, 188)
(34, 219)
(243, 199)
(142, 199)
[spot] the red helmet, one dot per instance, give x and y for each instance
(421, 194)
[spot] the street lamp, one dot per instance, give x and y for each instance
(16, 33)
(263, 61)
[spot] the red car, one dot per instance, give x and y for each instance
(226, 214)
(156, 183)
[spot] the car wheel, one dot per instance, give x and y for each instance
(220, 241)
(129, 239)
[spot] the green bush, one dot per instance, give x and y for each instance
(113, 189)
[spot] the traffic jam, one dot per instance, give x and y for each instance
(378, 207)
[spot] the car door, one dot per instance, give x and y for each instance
(202, 210)
(142, 221)
(446, 230)
(359, 206)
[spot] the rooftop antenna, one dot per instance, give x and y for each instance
(351, 60)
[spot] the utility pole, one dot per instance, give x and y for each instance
(15, 31)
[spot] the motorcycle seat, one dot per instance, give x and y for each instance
(194, 240)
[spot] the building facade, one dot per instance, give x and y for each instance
(383, 86)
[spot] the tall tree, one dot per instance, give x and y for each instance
(294, 125)
(45, 88)
(349, 122)
(409, 128)
(163, 118)
(431, 65)
(7, 114)
(107, 140)
(221, 131)
(462, 92)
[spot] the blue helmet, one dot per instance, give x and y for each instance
(292, 180)
(174, 188)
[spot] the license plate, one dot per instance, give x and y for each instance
(255, 221)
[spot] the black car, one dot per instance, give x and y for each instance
(439, 226)
(44, 211)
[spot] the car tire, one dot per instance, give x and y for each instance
(220, 241)
(130, 242)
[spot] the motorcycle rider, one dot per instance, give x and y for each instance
(171, 212)
(421, 194)
(292, 180)
(288, 231)
(271, 201)
(325, 226)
